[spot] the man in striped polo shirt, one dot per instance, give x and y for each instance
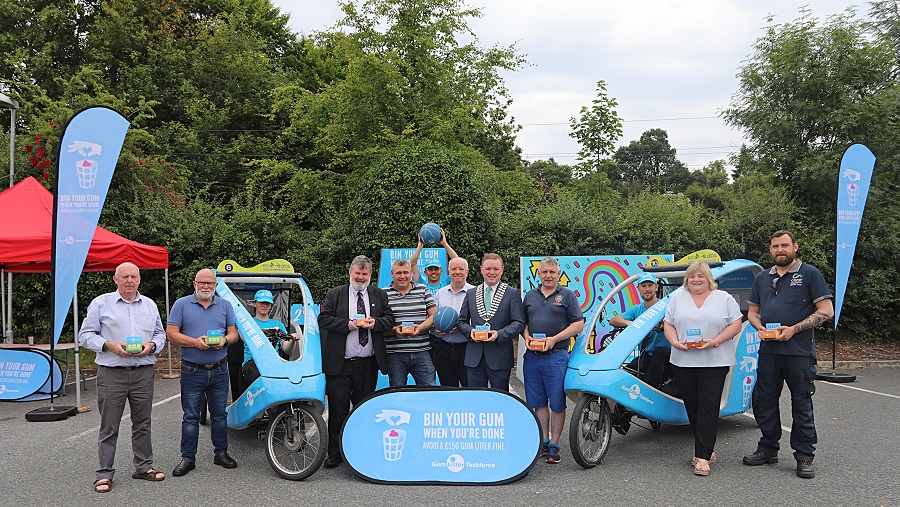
(409, 343)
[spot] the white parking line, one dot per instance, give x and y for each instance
(859, 389)
(126, 415)
(750, 415)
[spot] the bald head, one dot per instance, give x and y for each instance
(127, 279)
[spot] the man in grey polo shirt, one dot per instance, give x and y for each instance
(113, 321)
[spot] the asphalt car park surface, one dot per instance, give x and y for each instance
(858, 459)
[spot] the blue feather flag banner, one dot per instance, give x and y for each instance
(88, 152)
(853, 188)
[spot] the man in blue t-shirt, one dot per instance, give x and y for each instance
(792, 298)
(262, 304)
(434, 278)
(653, 363)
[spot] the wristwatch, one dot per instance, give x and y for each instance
(152, 347)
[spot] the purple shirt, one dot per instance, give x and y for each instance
(353, 348)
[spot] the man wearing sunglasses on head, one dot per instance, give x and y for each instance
(785, 304)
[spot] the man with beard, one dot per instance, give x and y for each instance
(353, 319)
(792, 298)
(203, 325)
(653, 362)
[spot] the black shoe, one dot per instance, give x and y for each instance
(759, 458)
(333, 461)
(805, 469)
(183, 468)
(621, 420)
(224, 460)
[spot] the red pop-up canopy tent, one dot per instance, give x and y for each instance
(27, 225)
(26, 228)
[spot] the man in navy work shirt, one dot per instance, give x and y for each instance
(554, 312)
(124, 376)
(792, 298)
(204, 367)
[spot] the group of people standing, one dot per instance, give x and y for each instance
(365, 329)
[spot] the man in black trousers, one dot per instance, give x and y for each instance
(352, 320)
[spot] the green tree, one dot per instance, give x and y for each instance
(409, 76)
(809, 89)
(650, 162)
(597, 130)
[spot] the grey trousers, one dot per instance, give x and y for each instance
(115, 386)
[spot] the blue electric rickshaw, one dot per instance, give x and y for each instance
(598, 373)
(288, 398)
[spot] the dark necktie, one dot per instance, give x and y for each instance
(361, 309)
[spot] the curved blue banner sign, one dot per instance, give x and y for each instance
(23, 372)
(441, 436)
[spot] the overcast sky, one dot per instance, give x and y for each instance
(669, 64)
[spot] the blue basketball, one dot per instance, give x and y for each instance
(445, 319)
(431, 233)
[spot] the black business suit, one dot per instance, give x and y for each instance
(492, 361)
(350, 380)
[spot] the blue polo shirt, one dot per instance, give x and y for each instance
(194, 320)
(551, 314)
(798, 291)
(656, 339)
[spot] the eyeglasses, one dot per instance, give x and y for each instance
(208, 284)
(776, 285)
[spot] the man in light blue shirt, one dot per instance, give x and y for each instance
(125, 331)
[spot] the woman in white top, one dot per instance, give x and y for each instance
(698, 320)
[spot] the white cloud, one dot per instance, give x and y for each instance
(660, 58)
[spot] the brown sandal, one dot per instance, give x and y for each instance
(102, 482)
(149, 475)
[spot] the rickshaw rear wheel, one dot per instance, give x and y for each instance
(590, 430)
(295, 441)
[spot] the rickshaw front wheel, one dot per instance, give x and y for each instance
(590, 430)
(295, 441)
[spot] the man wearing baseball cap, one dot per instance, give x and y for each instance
(262, 303)
(653, 363)
(434, 278)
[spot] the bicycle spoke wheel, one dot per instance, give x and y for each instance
(590, 430)
(295, 441)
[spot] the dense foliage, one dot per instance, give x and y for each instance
(251, 142)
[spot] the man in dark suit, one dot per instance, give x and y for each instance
(500, 306)
(351, 322)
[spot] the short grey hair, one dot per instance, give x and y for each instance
(399, 262)
(551, 261)
(362, 262)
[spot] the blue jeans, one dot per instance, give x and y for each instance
(199, 386)
(401, 364)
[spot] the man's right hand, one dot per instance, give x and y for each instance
(200, 343)
(118, 348)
